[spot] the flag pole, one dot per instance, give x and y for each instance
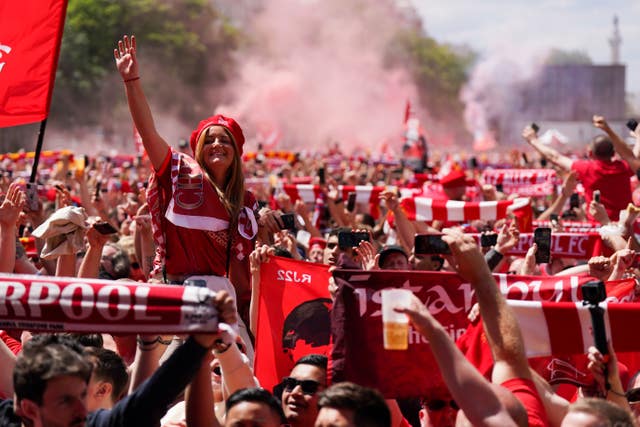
(36, 157)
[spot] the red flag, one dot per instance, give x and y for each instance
(408, 112)
(358, 354)
(293, 316)
(30, 36)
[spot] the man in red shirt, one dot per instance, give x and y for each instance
(600, 172)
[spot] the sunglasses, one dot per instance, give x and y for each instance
(309, 387)
(633, 395)
(331, 245)
(439, 404)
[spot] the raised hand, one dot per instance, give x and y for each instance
(600, 123)
(125, 56)
(12, 205)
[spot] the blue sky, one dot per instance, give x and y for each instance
(527, 27)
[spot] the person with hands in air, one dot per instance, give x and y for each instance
(508, 238)
(511, 368)
(601, 171)
(204, 221)
(482, 403)
(10, 209)
(605, 372)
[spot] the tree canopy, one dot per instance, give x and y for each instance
(178, 41)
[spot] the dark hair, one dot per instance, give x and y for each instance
(87, 340)
(335, 231)
(120, 264)
(602, 147)
(317, 360)
(108, 366)
(368, 405)
(46, 357)
(258, 395)
(282, 252)
(368, 219)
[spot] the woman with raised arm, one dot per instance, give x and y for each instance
(204, 221)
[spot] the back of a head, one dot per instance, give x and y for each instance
(87, 340)
(257, 395)
(46, 357)
(368, 405)
(607, 413)
(602, 147)
(108, 366)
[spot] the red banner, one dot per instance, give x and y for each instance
(358, 354)
(30, 36)
(56, 304)
(571, 245)
(293, 316)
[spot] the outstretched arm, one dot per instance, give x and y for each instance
(9, 214)
(472, 392)
(619, 145)
(549, 153)
(500, 323)
(127, 64)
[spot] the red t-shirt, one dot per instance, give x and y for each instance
(611, 178)
(194, 250)
(525, 391)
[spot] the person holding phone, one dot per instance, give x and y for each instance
(204, 220)
(600, 171)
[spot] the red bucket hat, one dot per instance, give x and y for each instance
(218, 120)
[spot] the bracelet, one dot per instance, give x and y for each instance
(132, 79)
(157, 340)
(338, 201)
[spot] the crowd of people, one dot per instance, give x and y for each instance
(205, 211)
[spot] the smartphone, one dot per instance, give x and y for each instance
(473, 162)
(500, 188)
(524, 158)
(201, 283)
(553, 217)
(351, 201)
(351, 239)
(488, 239)
(632, 124)
(596, 196)
(430, 244)
(98, 185)
(104, 228)
(32, 196)
(574, 200)
(321, 176)
(542, 238)
(535, 127)
(288, 222)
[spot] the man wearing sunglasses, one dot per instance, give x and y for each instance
(633, 395)
(300, 390)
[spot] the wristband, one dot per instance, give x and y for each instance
(132, 79)
(338, 201)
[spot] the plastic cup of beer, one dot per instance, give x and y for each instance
(395, 325)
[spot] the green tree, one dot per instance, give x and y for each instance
(438, 70)
(183, 45)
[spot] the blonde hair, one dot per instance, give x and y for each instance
(232, 195)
